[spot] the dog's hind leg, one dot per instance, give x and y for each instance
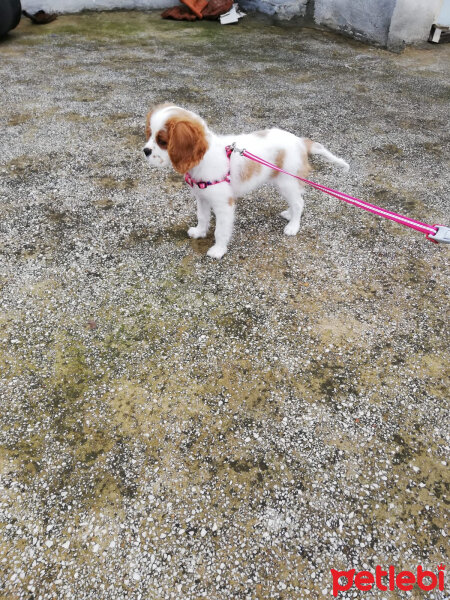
(292, 192)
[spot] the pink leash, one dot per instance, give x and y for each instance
(434, 233)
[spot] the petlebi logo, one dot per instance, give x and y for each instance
(388, 580)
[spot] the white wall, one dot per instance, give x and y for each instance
(412, 21)
(444, 16)
(62, 6)
(283, 8)
(392, 23)
(366, 19)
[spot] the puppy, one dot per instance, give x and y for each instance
(181, 138)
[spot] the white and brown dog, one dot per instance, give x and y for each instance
(179, 137)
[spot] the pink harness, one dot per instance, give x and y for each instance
(434, 233)
(204, 184)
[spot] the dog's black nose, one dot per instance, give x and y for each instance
(147, 151)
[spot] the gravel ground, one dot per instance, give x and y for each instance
(175, 427)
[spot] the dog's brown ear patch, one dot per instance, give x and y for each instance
(187, 143)
(162, 139)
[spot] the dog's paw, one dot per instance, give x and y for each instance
(216, 251)
(292, 228)
(195, 232)
(286, 215)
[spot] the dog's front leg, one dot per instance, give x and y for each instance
(203, 217)
(223, 207)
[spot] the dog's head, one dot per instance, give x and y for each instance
(175, 136)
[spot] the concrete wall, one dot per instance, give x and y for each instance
(444, 16)
(412, 20)
(391, 23)
(62, 6)
(364, 19)
(285, 9)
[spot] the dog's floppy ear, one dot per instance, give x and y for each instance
(187, 143)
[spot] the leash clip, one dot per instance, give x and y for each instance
(442, 235)
(233, 148)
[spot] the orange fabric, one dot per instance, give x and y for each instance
(216, 8)
(196, 6)
(211, 10)
(179, 13)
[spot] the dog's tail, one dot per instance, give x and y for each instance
(316, 148)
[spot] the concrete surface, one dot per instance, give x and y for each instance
(173, 427)
(412, 20)
(69, 6)
(283, 9)
(368, 20)
(388, 23)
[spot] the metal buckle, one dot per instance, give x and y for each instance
(233, 148)
(442, 235)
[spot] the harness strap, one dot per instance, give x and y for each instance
(204, 184)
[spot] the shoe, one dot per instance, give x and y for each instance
(41, 17)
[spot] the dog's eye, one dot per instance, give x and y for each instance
(161, 140)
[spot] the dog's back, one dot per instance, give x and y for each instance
(284, 149)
